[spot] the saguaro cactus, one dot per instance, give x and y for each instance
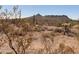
(34, 21)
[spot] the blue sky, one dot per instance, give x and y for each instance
(28, 10)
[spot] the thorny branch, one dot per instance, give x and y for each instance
(9, 39)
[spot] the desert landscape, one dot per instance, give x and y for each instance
(37, 34)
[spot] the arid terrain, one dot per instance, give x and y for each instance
(29, 37)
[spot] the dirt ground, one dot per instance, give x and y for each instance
(43, 41)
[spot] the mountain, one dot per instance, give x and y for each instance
(49, 19)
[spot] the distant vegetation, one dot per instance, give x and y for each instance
(20, 33)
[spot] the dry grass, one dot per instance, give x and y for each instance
(23, 34)
(63, 49)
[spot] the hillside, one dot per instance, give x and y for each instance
(50, 19)
(22, 36)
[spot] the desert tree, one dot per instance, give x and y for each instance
(1, 41)
(4, 27)
(22, 43)
(10, 15)
(5, 31)
(19, 14)
(15, 9)
(6, 14)
(16, 12)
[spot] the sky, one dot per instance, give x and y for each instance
(72, 11)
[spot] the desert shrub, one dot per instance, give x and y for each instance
(59, 25)
(50, 36)
(68, 50)
(48, 39)
(76, 26)
(63, 49)
(37, 28)
(23, 44)
(17, 33)
(46, 35)
(59, 30)
(61, 46)
(52, 33)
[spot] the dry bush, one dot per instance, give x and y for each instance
(20, 45)
(68, 50)
(46, 35)
(52, 33)
(6, 29)
(19, 33)
(76, 26)
(23, 43)
(37, 28)
(2, 42)
(59, 30)
(63, 49)
(48, 40)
